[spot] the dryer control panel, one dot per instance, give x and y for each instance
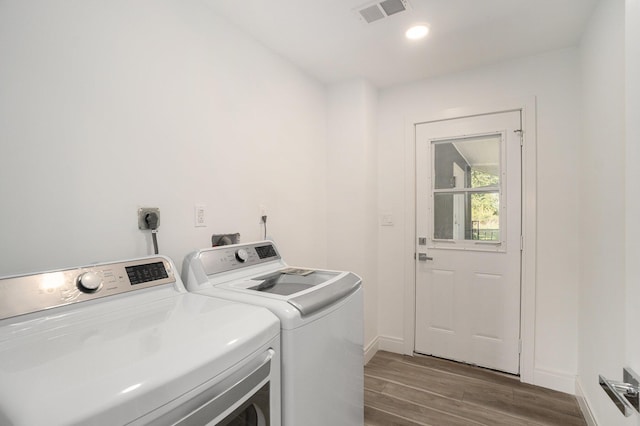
(227, 258)
(37, 292)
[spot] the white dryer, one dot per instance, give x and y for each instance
(124, 343)
(321, 315)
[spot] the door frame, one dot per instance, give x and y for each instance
(527, 106)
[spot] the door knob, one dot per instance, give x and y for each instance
(423, 257)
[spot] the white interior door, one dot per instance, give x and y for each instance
(468, 223)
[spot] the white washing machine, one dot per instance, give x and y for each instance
(321, 315)
(124, 343)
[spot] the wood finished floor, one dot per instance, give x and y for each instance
(401, 390)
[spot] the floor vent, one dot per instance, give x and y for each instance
(380, 10)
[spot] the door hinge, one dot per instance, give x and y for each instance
(519, 346)
(520, 133)
(521, 243)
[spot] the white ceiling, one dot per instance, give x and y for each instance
(327, 39)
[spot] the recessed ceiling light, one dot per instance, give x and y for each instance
(417, 32)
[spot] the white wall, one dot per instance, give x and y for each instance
(552, 79)
(352, 190)
(106, 106)
(602, 210)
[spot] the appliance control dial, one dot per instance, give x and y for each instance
(89, 282)
(242, 255)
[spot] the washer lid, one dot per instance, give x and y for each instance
(324, 296)
(112, 362)
(285, 282)
(328, 288)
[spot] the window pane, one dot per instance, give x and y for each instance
(466, 188)
(467, 163)
(466, 216)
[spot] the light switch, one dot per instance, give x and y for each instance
(386, 219)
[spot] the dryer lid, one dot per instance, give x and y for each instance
(109, 363)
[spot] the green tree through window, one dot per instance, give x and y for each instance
(485, 206)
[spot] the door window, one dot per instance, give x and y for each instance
(467, 189)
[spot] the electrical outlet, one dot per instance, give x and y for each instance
(142, 215)
(263, 212)
(200, 218)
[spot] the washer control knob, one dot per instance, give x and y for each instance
(242, 255)
(89, 282)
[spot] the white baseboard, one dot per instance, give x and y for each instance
(383, 343)
(555, 380)
(391, 344)
(584, 404)
(370, 350)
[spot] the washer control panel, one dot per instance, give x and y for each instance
(227, 258)
(37, 292)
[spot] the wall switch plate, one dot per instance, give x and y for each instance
(142, 215)
(200, 215)
(386, 219)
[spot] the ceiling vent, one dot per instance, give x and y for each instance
(382, 9)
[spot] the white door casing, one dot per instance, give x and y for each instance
(468, 296)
